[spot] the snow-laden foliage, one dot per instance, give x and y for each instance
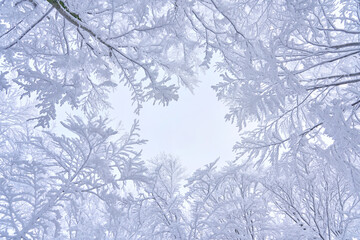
(76, 51)
(160, 212)
(43, 176)
(290, 67)
(227, 204)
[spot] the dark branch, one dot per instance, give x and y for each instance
(332, 84)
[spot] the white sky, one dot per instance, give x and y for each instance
(192, 129)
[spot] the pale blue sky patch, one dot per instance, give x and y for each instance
(192, 129)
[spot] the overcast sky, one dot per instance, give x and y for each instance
(192, 129)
